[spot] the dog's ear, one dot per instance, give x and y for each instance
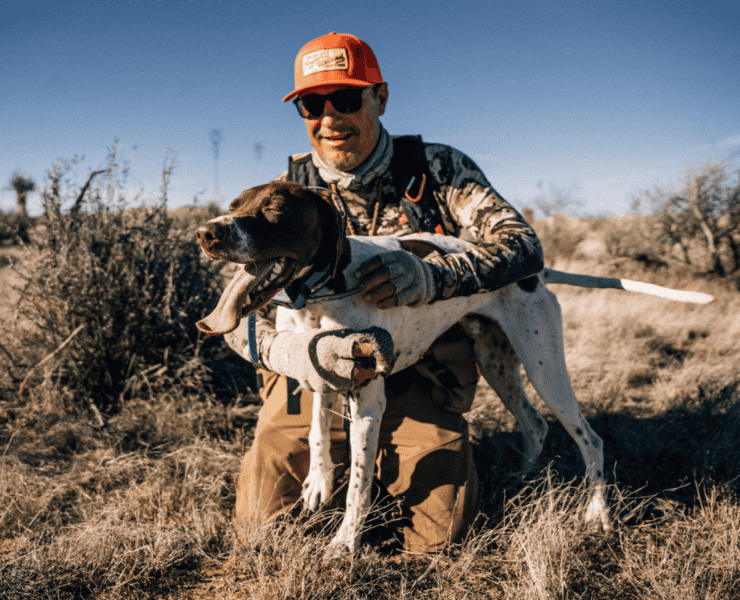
(338, 221)
(246, 197)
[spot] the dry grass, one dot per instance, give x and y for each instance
(139, 506)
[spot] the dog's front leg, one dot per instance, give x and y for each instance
(317, 487)
(366, 409)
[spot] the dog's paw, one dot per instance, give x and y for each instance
(597, 513)
(317, 490)
(343, 544)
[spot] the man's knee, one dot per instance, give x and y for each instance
(439, 488)
(271, 477)
(427, 460)
(277, 463)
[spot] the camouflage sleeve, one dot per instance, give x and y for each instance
(507, 249)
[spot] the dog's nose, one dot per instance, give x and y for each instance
(211, 234)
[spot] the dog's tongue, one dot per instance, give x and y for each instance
(228, 313)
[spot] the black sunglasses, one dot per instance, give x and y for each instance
(345, 101)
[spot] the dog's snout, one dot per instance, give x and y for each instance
(211, 234)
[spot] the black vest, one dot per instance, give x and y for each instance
(409, 168)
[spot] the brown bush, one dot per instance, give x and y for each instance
(560, 236)
(631, 236)
(111, 294)
(699, 224)
(14, 228)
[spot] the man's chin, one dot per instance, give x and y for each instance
(342, 161)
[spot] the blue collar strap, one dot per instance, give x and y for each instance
(252, 339)
(295, 295)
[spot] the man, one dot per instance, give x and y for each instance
(424, 460)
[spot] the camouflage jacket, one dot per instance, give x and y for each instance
(506, 247)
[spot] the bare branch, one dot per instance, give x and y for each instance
(59, 349)
(78, 202)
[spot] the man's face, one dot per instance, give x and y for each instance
(346, 140)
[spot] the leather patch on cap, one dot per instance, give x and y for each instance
(331, 59)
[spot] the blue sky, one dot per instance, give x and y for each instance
(614, 97)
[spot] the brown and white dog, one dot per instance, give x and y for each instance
(282, 231)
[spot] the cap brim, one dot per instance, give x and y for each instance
(327, 88)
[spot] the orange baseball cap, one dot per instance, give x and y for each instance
(334, 60)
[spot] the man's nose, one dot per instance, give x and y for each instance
(329, 111)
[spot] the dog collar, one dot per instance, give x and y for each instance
(295, 299)
(254, 356)
(297, 293)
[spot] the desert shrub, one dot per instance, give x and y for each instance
(558, 200)
(559, 233)
(560, 236)
(697, 224)
(112, 290)
(632, 236)
(14, 228)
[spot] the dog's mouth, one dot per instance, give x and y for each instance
(253, 286)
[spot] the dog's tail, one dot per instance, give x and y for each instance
(590, 281)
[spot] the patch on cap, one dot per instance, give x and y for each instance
(331, 59)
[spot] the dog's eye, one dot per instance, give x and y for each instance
(271, 214)
(273, 208)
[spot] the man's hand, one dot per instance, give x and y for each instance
(331, 361)
(396, 278)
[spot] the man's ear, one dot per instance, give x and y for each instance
(382, 98)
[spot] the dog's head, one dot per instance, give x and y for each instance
(276, 231)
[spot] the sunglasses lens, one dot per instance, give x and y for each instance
(345, 102)
(311, 106)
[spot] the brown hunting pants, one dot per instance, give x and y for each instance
(424, 461)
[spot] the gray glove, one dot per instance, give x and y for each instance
(331, 361)
(397, 275)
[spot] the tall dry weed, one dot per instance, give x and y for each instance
(691, 554)
(110, 294)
